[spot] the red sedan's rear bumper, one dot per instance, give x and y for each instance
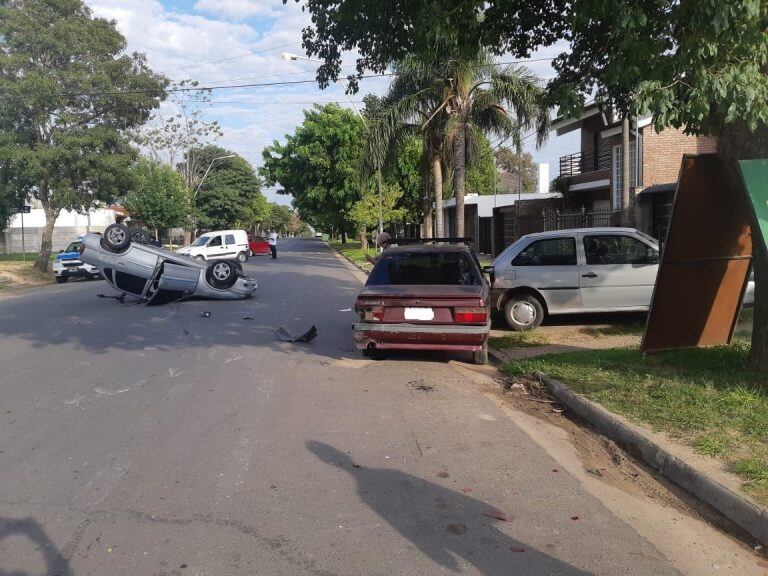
(420, 336)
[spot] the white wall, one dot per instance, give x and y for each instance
(101, 217)
(543, 178)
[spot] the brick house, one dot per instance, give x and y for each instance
(593, 175)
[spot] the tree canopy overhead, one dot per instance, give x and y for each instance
(67, 93)
(385, 32)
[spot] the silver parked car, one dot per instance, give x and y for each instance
(576, 271)
(151, 273)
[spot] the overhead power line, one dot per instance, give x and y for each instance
(348, 66)
(252, 53)
(191, 88)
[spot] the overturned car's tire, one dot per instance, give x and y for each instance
(141, 236)
(222, 274)
(116, 238)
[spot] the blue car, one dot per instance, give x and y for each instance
(69, 265)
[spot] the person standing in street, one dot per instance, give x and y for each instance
(273, 244)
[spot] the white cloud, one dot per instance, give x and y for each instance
(237, 9)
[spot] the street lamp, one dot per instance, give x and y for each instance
(293, 57)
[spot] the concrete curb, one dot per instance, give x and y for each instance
(356, 270)
(745, 514)
(344, 256)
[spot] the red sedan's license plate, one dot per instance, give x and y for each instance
(419, 314)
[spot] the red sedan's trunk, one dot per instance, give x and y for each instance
(422, 317)
(388, 304)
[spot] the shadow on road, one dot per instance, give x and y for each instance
(55, 562)
(445, 525)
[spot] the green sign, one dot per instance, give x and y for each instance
(755, 173)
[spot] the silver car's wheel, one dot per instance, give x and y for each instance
(523, 312)
(116, 238)
(222, 274)
(221, 271)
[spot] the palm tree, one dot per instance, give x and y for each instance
(451, 102)
(413, 106)
(485, 98)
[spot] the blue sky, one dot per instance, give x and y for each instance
(184, 38)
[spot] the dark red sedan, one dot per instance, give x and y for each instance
(258, 245)
(424, 297)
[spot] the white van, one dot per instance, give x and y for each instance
(219, 245)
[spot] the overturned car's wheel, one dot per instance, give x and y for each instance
(116, 238)
(222, 274)
(141, 236)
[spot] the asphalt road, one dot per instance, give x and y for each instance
(141, 440)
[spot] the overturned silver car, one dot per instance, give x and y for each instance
(153, 274)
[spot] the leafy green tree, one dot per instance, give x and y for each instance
(280, 218)
(159, 197)
(520, 166)
(10, 199)
(225, 195)
(67, 92)
(319, 165)
(256, 214)
(365, 212)
(405, 171)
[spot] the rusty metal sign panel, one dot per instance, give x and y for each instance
(705, 264)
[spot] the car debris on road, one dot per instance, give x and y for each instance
(285, 336)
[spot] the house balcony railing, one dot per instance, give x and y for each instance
(586, 161)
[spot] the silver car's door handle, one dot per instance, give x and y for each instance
(589, 275)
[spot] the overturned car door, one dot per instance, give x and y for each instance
(178, 278)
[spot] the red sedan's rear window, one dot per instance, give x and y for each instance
(421, 268)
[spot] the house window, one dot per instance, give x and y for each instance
(617, 164)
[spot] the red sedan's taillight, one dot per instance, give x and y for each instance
(369, 311)
(470, 315)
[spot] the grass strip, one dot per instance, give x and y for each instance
(705, 398)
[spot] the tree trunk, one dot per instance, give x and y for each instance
(187, 236)
(364, 238)
(426, 200)
(437, 174)
(736, 142)
(626, 159)
(343, 231)
(43, 258)
(459, 177)
(426, 226)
